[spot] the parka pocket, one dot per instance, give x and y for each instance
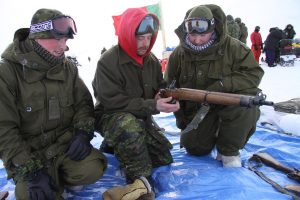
(185, 80)
(67, 109)
(154, 86)
(218, 72)
(32, 112)
(187, 75)
(150, 90)
(220, 78)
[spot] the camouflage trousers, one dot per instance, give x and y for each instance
(138, 145)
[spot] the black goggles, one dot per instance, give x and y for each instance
(60, 26)
(148, 25)
(198, 25)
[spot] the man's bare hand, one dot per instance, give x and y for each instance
(163, 105)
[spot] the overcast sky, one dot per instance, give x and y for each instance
(95, 25)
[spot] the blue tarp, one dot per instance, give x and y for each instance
(191, 177)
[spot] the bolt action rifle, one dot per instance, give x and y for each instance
(258, 159)
(209, 97)
(265, 158)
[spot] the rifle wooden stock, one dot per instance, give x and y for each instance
(214, 97)
(270, 161)
(264, 158)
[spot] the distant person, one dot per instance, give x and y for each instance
(163, 63)
(207, 58)
(289, 31)
(233, 28)
(257, 44)
(126, 87)
(272, 46)
(47, 114)
(243, 30)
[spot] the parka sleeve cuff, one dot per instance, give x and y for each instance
(150, 106)
(86, 124)
(21, 158)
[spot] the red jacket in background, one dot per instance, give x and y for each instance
(256, 46)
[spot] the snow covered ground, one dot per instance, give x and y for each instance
(281, 84)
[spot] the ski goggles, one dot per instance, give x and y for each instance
(148, 25)
(60, 26)
(199, 25)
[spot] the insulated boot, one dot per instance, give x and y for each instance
(231, 161)
(132, 191)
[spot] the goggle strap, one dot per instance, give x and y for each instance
(52, 25)
(42, 26)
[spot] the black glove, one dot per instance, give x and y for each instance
(80, 146)
(39, 185)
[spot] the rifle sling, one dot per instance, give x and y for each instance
(265, 178)
(201, 113)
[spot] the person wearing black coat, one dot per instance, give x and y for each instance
(289, 32)
(272, 46)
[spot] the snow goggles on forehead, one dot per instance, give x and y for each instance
(198, 25)
(148, 25)
(59, 26)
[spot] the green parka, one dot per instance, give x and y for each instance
(40, 105)
(226, 66)
(233, 29)
(121, 85)
(244, 33)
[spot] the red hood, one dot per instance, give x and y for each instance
(125, 26)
